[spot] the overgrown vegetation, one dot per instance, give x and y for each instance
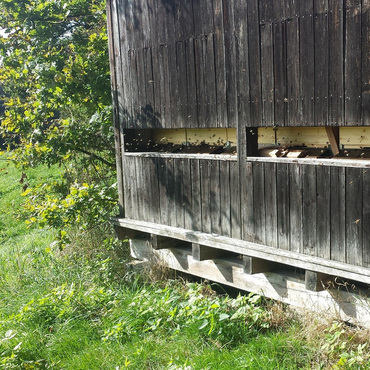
(81, 308)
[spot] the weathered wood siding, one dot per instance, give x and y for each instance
(315, 210)
(214, 63)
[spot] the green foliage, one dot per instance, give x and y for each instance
(196, 309)
(55, 75)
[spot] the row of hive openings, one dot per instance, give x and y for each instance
(291, 142)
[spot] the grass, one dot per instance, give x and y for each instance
(82, 309)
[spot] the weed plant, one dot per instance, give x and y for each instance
(82, 308)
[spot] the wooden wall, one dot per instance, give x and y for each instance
(315, 210)
(214, 63)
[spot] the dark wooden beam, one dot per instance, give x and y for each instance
(315, 281)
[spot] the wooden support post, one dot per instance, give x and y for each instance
(254, 265)
(333, 136)
(123, 233)
(252, 141)
(203, 253)
(163, 242)
(315, 281)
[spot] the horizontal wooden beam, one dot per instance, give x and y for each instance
(261, 251)
(362, 163)
(215, 157)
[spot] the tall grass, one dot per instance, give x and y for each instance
(81, 308)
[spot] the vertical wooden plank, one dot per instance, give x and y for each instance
(254, 64)
(178, 174)
(142, 26)
(120, 60)
(259, 202)
(126, 9)
(307, 62)
(235, 199)
(133, 80)
(182, 102)
(247, 201)
(242, 61)
(164, 87)
(220, 70)
(321, 62)
(203, 17)
(336, 57)
(127, 180)
(157, 87)
(225, 198)
(352, 69)
(140, 190)
(366, 218)
(187, 194)
(196, 195)
(165, 21)
(149, 104)
(205, 179)
(192, 93)
(365, 62)
(309, 225)
(231, 83)
(215, 197)
(354, 213)
(200, 82)
(171, 191)
(293, 64)
(323, 212)
(141, 87)
(163, 183)
(153, 188)
(184, 20)
(267, 62)
(153, 20)
(280, 64)
(174, 88)
(296, 223)
(283, 205)
(210, 82)
(116, 87)
(338, 213)
(197, 16)
(271, 213)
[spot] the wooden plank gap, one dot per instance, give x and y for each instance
(203, 253)
(254, 265)
(123, 233)
(164, 242)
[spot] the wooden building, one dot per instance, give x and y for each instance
(243, 136)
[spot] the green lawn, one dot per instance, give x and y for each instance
(81, 308)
